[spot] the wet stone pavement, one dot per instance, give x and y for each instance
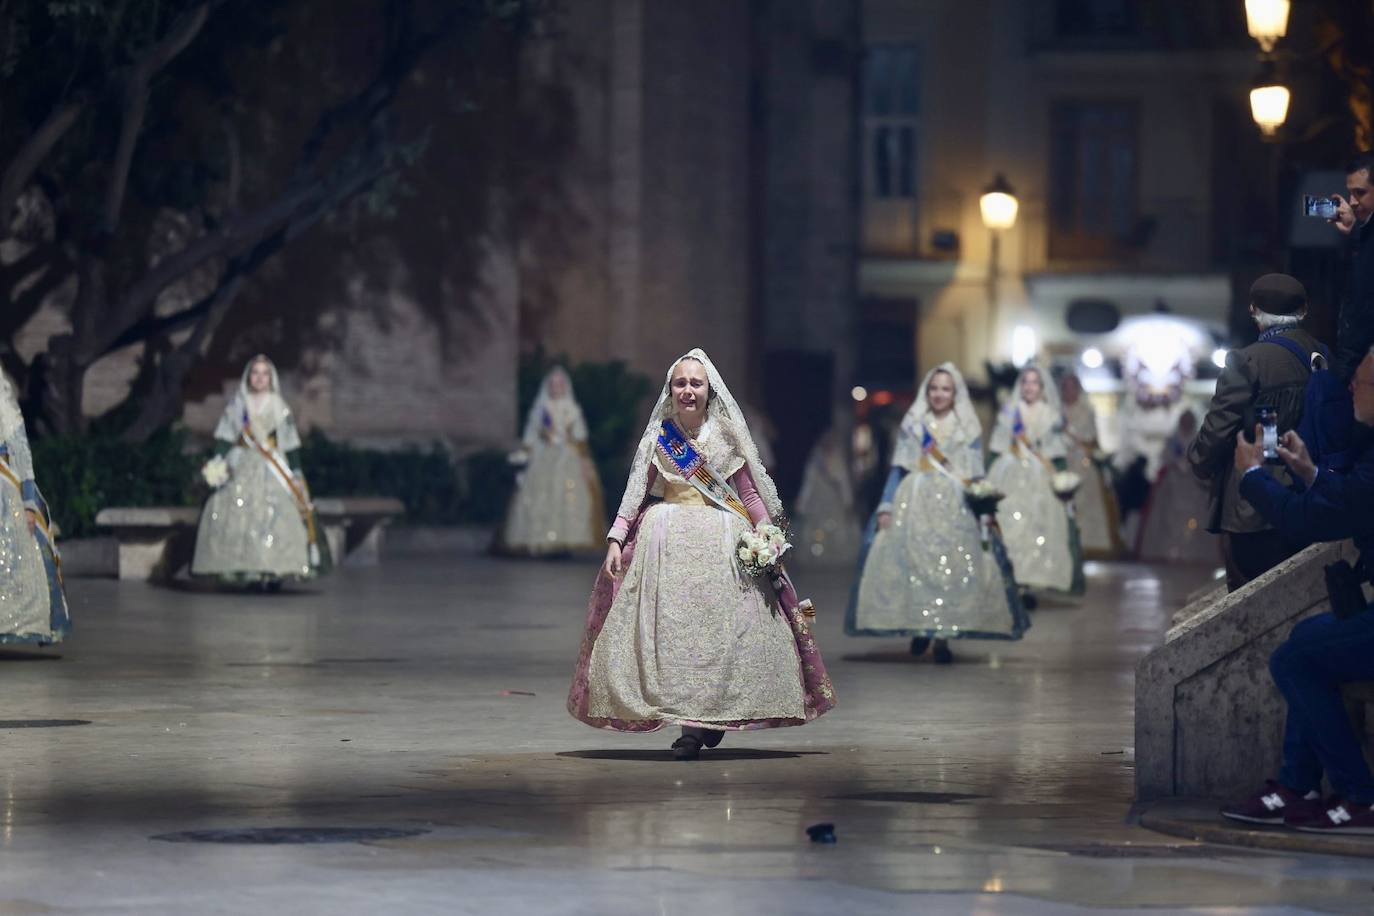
(394, 740)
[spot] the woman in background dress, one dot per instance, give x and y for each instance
(932, 569)
(259, 527)
(1027, 450)
(678, 634)
(1171, 522)
(33, 606)
(557, 505)
(826, 528)
(1094, 504)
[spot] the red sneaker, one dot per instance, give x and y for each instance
(1335, 816)
(1270, 805)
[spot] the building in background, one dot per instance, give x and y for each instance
(1123, 129)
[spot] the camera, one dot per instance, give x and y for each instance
(1320, 207)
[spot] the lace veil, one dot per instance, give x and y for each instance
(724, 438)
(275, 412)
(908, 452)
(1050, 414)
(564, 411)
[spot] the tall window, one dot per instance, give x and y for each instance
(1096, 18)
(891, 111)
(1094, 169)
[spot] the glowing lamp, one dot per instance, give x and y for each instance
(859, 393)
(1219, 357)
(998, 204)
(1267, 21)
(1092, 358)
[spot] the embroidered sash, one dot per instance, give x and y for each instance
(1020, 443)
(42, 515)
(287, 480)
(682, 454)
(931, 451)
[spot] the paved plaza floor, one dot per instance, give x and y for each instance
(422, 703)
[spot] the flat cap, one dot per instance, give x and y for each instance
(1278, 294)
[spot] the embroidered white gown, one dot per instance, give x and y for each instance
(1034, 521)
(557, 506)
(1094, 504)
(253, 527)
(33, 605)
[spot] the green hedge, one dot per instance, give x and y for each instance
(80, 475)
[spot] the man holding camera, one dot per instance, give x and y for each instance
(1326, 650)
(1355, 329)
(1263, 375)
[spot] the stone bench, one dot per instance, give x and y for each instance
(1208, 719)
(155, 542)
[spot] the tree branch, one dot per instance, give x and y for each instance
(183, 31)
(31, 155)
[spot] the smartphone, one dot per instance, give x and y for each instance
(1320, 207)
(1268, 419)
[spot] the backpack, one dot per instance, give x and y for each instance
(1328, 413)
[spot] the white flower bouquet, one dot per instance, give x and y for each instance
(983, 496)
(1065, 484)
(762, 549)
(216, 472)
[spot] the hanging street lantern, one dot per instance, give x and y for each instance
(1269, 99)
(998, 204)
(1267, 21)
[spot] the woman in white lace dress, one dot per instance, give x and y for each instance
(1027, 450)
(678, 633)
(33, 606)
(932, 569)
(557, 505)
(259, 528)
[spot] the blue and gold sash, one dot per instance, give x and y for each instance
(683, 455)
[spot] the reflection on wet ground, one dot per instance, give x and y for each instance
(395, 740)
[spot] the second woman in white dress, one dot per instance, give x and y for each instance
(1027, 451)
(557, 506)
(932, 569)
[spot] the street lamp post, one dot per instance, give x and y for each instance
(1269, 100)
(998, 206)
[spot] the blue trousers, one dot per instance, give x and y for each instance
(1321, 654)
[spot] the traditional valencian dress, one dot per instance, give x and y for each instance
(826, 527)
(260, 526)
(937, 571)
(557, 506)
(685, 636)
(1095, 509)
(33, 607)
(1172, 522)
(1027, 450)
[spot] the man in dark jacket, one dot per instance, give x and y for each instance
(1323, 651)
(1264, 374)
(1355, 328)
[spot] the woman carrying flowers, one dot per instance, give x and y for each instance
(33, 607)
(557, 506)
(258, 527)
(933, 566)
(1027, 462)
(682, 630)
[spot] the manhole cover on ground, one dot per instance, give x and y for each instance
(42, 723)
(279, 836)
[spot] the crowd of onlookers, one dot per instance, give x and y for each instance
(1288, 449)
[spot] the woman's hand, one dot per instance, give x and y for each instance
(884, 520)
(32, 517)
(612, 566)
